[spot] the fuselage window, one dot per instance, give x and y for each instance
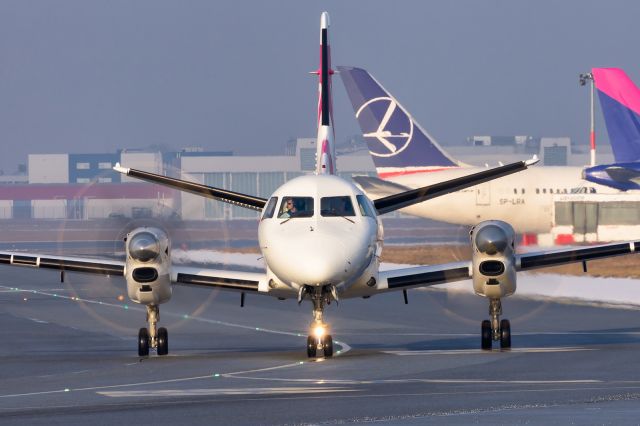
(537, 190)
(522, 191)
(515, 191)
(365, 206)
(296, 207)
(336, 206)
(270, 208)
(544, 190)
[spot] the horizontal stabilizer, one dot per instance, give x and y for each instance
(236, 198)
(414, 196)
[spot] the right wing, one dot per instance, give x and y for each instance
(423, 276)
(236, 198)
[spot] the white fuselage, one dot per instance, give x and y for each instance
(319, 246)
(524, 199)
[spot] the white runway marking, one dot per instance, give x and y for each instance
(481, 351)
(227, 391)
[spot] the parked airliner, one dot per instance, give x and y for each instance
(406, 156)
(321, 239)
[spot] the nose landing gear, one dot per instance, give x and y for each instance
(319, 340)
(496, 329)
(155, 338)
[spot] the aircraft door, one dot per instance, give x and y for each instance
(483, 194)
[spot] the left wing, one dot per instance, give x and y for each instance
(64, 263)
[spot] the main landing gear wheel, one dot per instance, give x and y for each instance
(486, 335)
(143, 342)
(327, 346)
(505, 334)
(163, 341)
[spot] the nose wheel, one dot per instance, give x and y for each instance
(319, 341)
(153, 337)
(495, 329)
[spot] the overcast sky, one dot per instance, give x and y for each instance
(95, 76)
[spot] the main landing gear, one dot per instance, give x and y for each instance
(155, 338)
(319, 340)
(496, 329)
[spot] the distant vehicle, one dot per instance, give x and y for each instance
(406, 157)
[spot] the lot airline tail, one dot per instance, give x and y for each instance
(397, 143)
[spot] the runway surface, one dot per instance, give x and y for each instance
(68, 356)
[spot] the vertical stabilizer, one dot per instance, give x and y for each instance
(396, 141)
(326, 152)
(620, 103)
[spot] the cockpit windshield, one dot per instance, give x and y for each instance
(296, 207)
(336, 206)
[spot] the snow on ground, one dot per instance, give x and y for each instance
(614, 291)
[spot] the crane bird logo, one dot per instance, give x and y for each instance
(395, 129)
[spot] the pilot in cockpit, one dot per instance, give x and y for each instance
(289, 209)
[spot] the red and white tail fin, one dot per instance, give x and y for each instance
(326, 152)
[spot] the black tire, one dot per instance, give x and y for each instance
(163, 341)
(311, 347)
(486, 335)
(505, 334)
(143, 342)
(327, 346)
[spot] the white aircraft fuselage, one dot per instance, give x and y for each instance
(524, 200)
(322, 243)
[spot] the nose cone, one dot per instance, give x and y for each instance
(491, 239)
(144, 246)
(312, 258)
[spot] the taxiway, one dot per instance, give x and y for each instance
(68, 356)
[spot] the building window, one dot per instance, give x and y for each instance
(106, 165)
(104, 180)
(83, 180)
(82, 166)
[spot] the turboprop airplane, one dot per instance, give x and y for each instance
(406, 157)
(321, 239)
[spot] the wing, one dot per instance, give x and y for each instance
(414, 196)
(423, 276)
(236, 198)
(242, 281)
(64, 263)
(528, 261)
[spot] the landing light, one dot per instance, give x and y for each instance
(319, 331)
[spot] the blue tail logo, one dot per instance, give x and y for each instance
(396, 142)
(394, 132)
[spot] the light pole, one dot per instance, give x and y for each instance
(584, 77)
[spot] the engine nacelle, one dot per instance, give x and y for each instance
(493, 257)
(148, 266)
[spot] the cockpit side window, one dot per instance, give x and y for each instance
(336, 206)
(296, 207)
(270, 208)
(365, 206)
